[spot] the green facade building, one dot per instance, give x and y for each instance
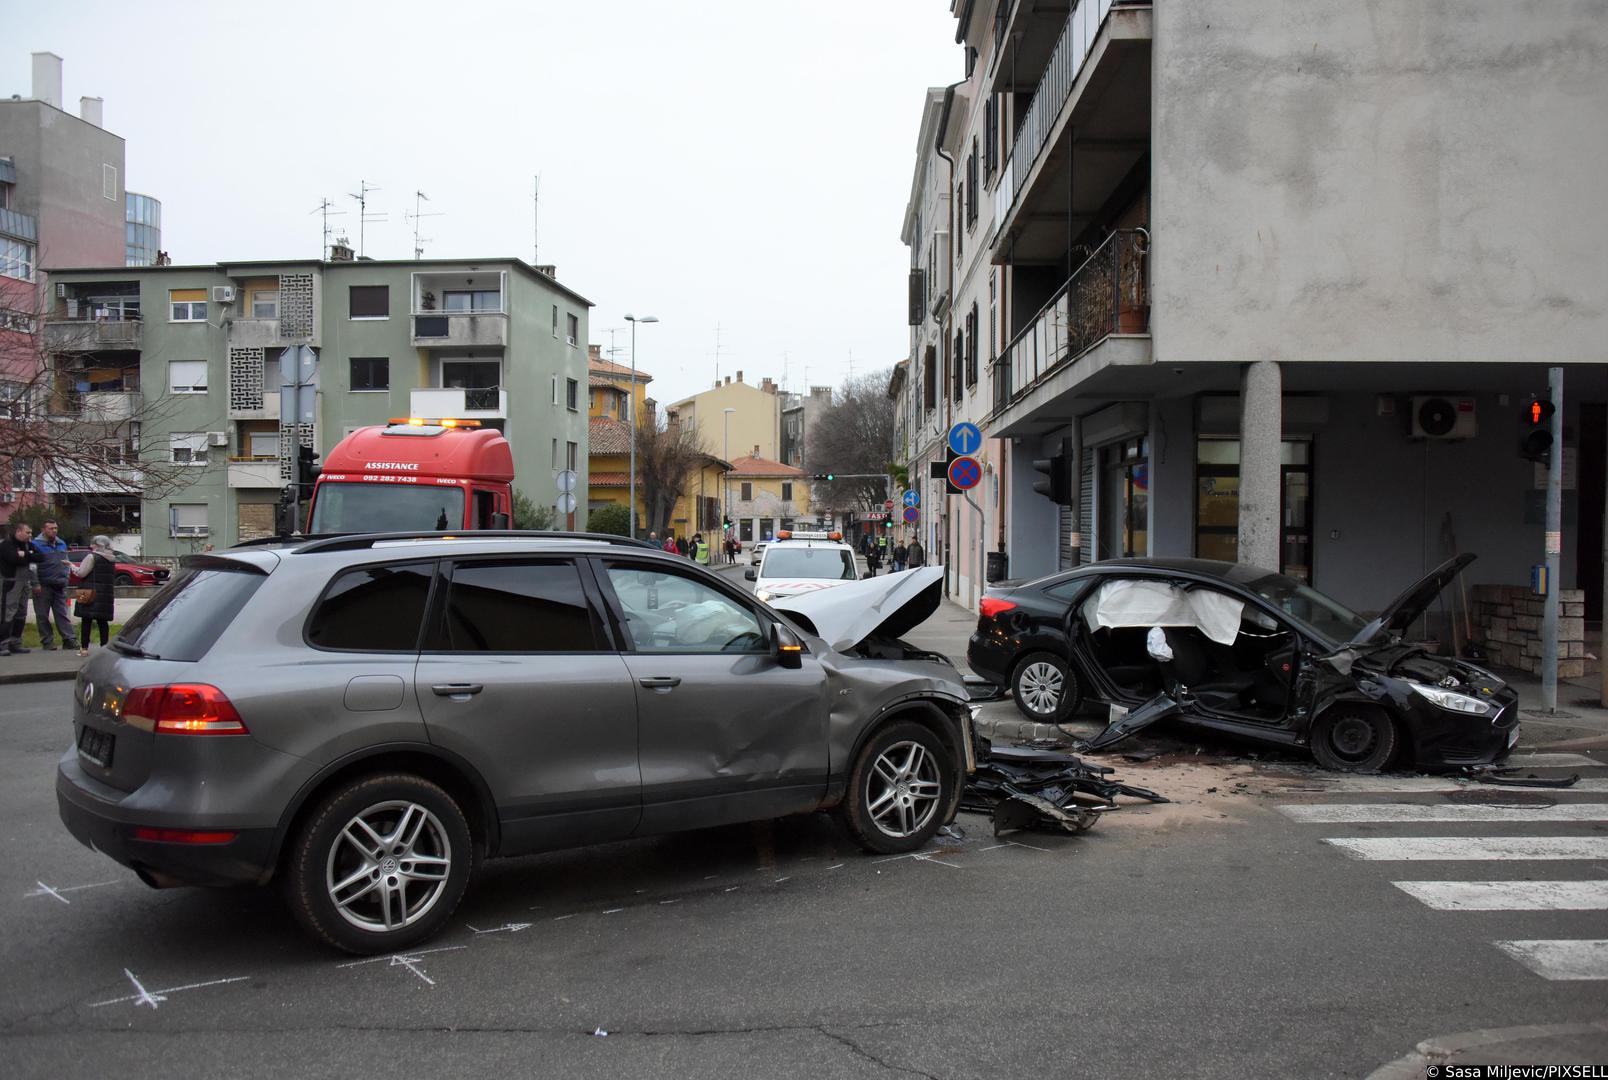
(181, 366)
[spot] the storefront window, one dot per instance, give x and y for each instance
(1125, 502)
(1217, 483)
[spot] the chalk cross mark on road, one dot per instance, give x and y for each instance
(408, 960)
(56, 891)
(154, 998)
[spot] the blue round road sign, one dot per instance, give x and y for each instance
(964, 472)
(965, 438)
(911, 515)
(912, 497)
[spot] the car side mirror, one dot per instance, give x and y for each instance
(750, 575)
(786, 646)
(499, 521)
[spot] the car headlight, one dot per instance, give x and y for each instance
(1452, 700)
(763, 595)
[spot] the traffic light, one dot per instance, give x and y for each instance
(1536, 442)
(940, 471)
(725, 524)
(307, 469)
(1056, 484)
(823, 476)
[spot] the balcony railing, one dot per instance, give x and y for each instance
(1066, 62)
(1108, 294)
(460, 328)
(112, 331)
(477, 403)
(98, 406)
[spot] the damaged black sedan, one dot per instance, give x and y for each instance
(1247, 652)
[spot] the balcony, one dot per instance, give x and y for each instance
(17, 224)
(450, 329)
(98, 406)
(254, 334)
(255, 472)
(1096, 82)
(93, 335)
(480, 403)
(1108, 295)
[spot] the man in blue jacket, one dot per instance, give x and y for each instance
(51, 598)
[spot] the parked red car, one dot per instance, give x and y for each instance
(130, 571)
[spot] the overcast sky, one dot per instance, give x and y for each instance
(742, 163)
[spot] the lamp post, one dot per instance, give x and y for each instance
(633, 320)
(725, 478)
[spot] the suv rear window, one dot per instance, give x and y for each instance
(183, 620)
(373, 609)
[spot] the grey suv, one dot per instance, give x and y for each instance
(364, 718)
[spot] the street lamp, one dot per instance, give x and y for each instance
(633, 320)
(725, 486)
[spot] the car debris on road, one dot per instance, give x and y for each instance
(1027, 786)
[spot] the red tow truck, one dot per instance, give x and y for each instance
(415, 474)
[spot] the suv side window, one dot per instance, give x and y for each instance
(517, 606)
(373, 609)
(666, 612)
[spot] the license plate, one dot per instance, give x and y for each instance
(96, 746)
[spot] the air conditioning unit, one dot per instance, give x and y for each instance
(1443, 417)
(223, 294)
(217, 438)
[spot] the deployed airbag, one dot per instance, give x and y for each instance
(1129, 603)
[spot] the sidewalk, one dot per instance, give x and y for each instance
(41, 665)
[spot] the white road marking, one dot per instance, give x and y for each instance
(47, 890)
(1561, 959)
(1415, 785)
(1481, 848)
(1509, 895)
(839, 866)
(408, 960)
(1522, 814)
(1549, 761)
(154, 997)
(612, 911)
(513, 927)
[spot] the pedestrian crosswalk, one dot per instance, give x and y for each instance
(1555, 835)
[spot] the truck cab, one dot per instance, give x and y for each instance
(415, 474)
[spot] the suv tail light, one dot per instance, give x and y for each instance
(990, 606)
(183, 709)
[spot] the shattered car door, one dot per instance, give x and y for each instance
(1157, 708)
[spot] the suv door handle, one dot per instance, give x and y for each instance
(660, 682)
(454, 689)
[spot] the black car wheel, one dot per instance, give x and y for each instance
(123, 580)
(1353, 739)
(898, 789)
(1044, 688)
(379, 864)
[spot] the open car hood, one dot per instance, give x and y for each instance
(887, 606)
(1401, 612)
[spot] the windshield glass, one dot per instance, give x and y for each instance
(350, 508)
(1323, 613)
(183, 620)
(835, 564)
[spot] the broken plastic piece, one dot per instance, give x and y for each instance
(600, 1033)
(1023, 787)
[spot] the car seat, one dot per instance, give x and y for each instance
(1191, 670)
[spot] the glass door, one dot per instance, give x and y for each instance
(1217, 477)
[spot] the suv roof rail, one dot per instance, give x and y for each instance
(358, 541)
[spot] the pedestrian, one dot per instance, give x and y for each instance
(882, 548)
(900, 555)
(51, 596)
(653, 538)
(873, 561)
(19, 561)
(97, 574)
(917, 554)
(670, 547)
(700, 550)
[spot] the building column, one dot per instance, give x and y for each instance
(1261, 438)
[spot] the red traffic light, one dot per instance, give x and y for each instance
(1540, 411)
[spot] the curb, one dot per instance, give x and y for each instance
(1444, 1048)
(37, 676)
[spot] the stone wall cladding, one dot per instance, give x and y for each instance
(296, 305)
(256, 521)
(245, 379)
(1508, 620)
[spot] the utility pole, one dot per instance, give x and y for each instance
(1554, 547)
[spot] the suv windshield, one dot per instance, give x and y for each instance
(833, 563)
(183, 620)
(351, 508)
(1324, 614)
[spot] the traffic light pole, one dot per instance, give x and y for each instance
(1554, 547)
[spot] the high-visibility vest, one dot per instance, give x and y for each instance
(703, 553)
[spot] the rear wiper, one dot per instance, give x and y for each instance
(133, 650)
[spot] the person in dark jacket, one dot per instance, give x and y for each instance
(98, 573)
(917, 554)
(51, 596)
(18, 567)
(901, 555)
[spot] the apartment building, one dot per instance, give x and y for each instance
(735, 413)
(194, 354)
(762, 496)
(1272, 284)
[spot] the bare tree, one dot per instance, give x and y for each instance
(71, 410)
(668, 455)
(853, 436)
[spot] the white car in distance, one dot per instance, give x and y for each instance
(796, 563)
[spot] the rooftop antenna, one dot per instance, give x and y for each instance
(536, 220)
(419, 241)
(613, 349)
(851, 365)
(323, 207)
(717, 354)
(784, 372)
(363, 216)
